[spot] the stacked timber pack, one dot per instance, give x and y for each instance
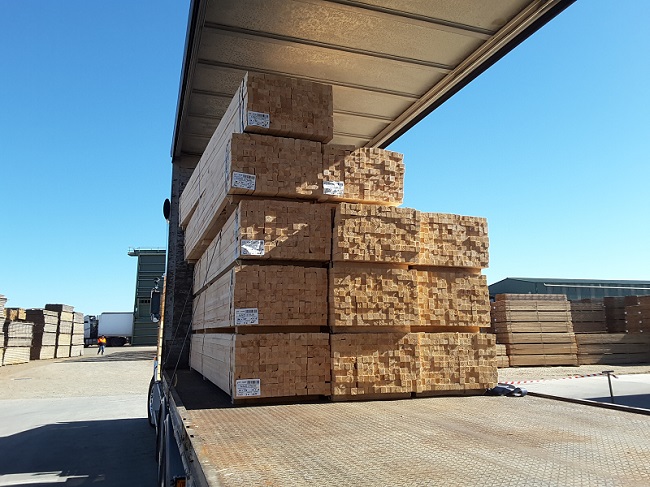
(535, 328)
(45, 332)
(308, 280)
(17, 342)
(615, 314)
(77, 344)
(615, 335)
(65, 315)
(637, 314)
(3, 301)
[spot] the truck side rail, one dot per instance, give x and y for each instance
(184, 438)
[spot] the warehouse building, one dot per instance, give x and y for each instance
(574, 289)
(151, 268)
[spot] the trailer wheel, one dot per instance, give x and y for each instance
(150, 413)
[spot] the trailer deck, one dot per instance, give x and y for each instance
(471, 440)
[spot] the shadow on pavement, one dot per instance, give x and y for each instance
(130, 356)
(633, 400)
(112, 453)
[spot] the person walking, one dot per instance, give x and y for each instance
(101, 341)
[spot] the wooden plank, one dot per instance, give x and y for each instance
(530, 297)
(531, 306)
(526, 338)
(542, 360)
(615, 359)
(613, 338)
(542, 349)
(531, 316)
(532, 327)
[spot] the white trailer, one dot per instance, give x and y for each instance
(116, 326)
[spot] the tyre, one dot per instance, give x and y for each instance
(150, 412)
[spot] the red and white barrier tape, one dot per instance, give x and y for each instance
(516, 382)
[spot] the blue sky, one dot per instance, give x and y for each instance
(551, 145)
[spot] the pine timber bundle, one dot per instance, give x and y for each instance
(372, 233)
(615, 314)
(15, 314)
(613, 348)
(65, 314)
(371, 364)
(62, 308)
(267, 230)
(375, 297)
(250, 165)
(536, 329)
(503, 361)
(365, 174)
(260, 265)
(3, 301)
(637, 314)
(45, 331)
(264, 295)
(588, 316)
(363, 295)
(274, 365)
(453, 241)
(451, 297)
(17, 342)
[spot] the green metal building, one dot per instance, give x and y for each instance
(574, 289)
(151, 266)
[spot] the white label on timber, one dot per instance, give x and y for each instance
(246, 316)
(333, 188)
(259, 119)
(243, 180)
(248, 388)
(252, 247)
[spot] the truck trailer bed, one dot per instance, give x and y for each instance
(472, 440)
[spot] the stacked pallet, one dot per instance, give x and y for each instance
(65, 314)
(45, 333)
(637, 314)
(292, 237)
(588, 316)
(615, 314)
(17, 342)
(77, 342)
(613, 348)
(535, 328)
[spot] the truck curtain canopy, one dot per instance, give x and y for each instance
(391, 62)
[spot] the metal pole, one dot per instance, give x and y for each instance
(609, 380)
